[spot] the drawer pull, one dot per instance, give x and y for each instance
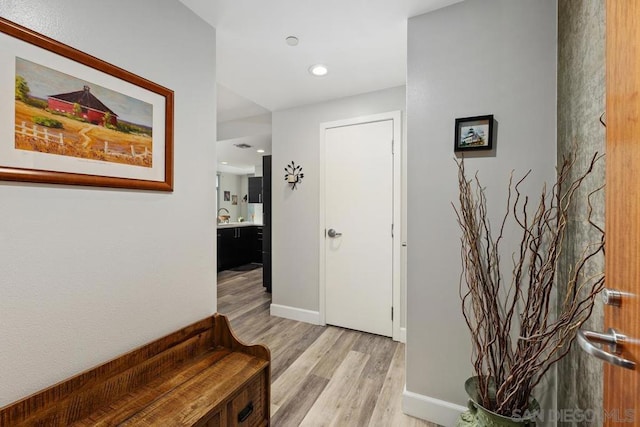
(244, 414)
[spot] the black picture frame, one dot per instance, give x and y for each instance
(474, 133)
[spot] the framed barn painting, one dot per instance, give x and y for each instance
(474, 133)
(76, 119)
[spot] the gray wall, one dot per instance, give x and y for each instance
(87, 273)
(296, 216)
(472, 58)
(581, 100)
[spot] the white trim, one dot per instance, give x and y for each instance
(430, 409)
(403, 335)
(396, 117)
(293, 313)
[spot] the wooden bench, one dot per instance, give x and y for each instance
(201, 375)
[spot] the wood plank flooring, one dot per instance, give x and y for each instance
(320, 376)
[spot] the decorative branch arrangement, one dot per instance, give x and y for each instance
(293, 174)
(516, 333)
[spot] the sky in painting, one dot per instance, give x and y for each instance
(44, 82)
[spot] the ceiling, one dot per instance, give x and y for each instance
(362, 42)
(237, 112)
(242, 161)
(232, 106)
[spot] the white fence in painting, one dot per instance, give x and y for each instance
(43, 133)
(39, 132)
(146, 153)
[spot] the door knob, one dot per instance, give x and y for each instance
(613, 339)
(333, 233)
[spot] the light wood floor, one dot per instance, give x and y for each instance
(320, 376)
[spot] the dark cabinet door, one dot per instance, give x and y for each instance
(255, 189)
(257, 247)
(237, 246)
(245, 243)
(226, 248)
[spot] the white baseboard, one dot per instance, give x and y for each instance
(293, 313)
(403, 335)
(431, 409)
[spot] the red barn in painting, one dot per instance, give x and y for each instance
(91, 108)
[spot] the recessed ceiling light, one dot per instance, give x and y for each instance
(260, 151)
(318, 70)
(292, 41)
(225, 163)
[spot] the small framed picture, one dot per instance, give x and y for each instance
(234, 199)
(474, 133)
(227, 196)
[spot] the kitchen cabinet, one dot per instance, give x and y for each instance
(226, 245)
(236, 246)
(255, 189)
(257, 249)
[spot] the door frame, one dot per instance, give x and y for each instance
(396, 118)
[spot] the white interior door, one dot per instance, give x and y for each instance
(359, 209)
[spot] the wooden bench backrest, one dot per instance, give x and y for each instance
(77, 397)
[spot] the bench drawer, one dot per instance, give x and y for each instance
(247, 409)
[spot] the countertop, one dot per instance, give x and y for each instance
(239, 224)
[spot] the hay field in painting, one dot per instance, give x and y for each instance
(79, 139)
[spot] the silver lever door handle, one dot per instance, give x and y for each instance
(333, 233)
(612, 297)
(611, 338)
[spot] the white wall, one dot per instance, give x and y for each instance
(88, 273)
(231, 183)
(295, 214)
(475, 57)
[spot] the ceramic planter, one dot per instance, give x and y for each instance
(477, 416)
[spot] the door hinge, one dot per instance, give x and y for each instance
(391, 230)
(393, 143)
(392, 313)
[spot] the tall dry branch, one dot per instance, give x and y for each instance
(516, 332)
